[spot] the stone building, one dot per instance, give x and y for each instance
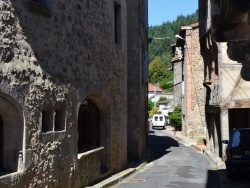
(227, 93)
(188, 71)
(177, 68)
(137, 47)
(65, 90)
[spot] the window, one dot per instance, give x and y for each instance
(41, 7)
(47, 121)
(42, 2)
(117, 20)
(88, 126)
(11, 134)
(53, 120)
(59, 120)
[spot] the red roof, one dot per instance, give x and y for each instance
(152, 89)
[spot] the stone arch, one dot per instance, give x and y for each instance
(11, 125)
(94, 111)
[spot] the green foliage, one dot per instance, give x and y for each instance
(152, 112)
(150, 105)
(175, 117)
(157, 70)
(167, 83)
(160, 52)
(167, 29)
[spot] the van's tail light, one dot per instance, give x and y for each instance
(228, 153)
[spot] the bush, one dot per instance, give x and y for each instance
(150, 105)
(175, 117)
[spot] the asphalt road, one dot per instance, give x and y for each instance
(173, 165)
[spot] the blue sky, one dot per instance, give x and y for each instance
(160, 11)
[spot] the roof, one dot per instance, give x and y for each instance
(192, 26)
(153, 88)
(175, 59)
(164, 102)
(182, 33)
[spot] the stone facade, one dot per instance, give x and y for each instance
(137, 32)
(63, 74)
(177, 68)
(193, 121)
(227, 91)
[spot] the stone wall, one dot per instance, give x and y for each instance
(137, 79)
(52, 58)
(194, 89)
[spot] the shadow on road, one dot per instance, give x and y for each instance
(158, 146)
(213, 180)
(219, 177)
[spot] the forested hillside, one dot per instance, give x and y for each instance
(160, 53)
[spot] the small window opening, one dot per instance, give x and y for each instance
(117, 17)
(47, 121)
(41, 2)
(59, 120)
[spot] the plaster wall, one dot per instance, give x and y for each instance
(233, 87)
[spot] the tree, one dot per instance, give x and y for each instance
(167, 82)
(160, 52)
(157, 70)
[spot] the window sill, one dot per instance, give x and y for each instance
(11, 175)
(80, 155)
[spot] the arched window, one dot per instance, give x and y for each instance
(88, 126)
(11, 134)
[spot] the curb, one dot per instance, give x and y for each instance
(116, 178)
(198, 148)
(216, 160)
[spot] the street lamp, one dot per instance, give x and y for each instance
(179, 37)
(150, 39)
(162, 38)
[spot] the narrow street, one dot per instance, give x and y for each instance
(172, 164)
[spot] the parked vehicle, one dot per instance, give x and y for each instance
(158, 120)
(164, 111)
(237, 151)
(167, 120)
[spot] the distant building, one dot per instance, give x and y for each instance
(155, 93)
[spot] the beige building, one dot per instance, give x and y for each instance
(227, 93)
(65, 90)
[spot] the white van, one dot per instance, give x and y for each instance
(158, 120)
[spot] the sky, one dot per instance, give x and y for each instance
(160, 11)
